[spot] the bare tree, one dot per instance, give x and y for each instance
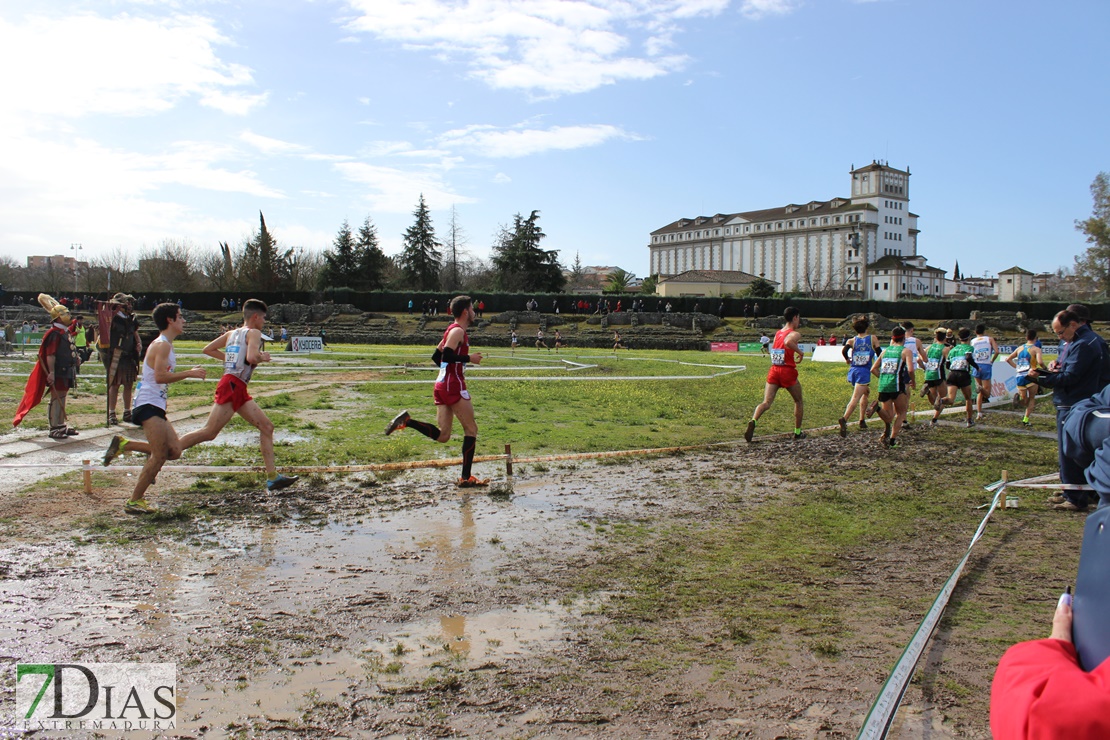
(305, 266)
(119, 271)
(455, 249)
(215, 269)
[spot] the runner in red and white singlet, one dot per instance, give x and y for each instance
(451, 397)
(785, 356)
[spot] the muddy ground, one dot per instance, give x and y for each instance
(397, 607)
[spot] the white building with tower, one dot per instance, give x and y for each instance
(854, 245)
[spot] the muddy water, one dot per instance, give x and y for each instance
(264, 618)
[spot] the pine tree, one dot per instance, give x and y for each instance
(1093, 266)
(340, 262)
(520, 262)
(372, 264)
(420, 259)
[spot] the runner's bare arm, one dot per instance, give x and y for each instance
(255, 354)
(792, 344)
(212, 349)
(1010, 359)
(158, 357)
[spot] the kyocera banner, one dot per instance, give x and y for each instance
(91, 697)
(307, 344)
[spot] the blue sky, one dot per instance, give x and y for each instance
(126, 123)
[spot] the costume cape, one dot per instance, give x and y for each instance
(36, 386)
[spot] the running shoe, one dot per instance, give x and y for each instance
(893, 444)
(970, 423)
(872, 409)
(1057, 499)
(886, 433)
(799, 435)
(399, 422)
(472, 482)
(843, 426)
(282, 481)
(978, 417)
(750, 431)
(115, 448)
(932, 422)
(142, 506)
(1069, 506)
(862, 423)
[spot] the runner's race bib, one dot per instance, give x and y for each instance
(442, 372)
(778, 357)
(983, 355)
(959, 363)
(231, 356)
(1022, 368)
(933, 365)
(889, 366)
(861, 359)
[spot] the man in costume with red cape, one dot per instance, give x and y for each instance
(55, 372)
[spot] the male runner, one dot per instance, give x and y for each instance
(859, 353)
(764, 344)
(785, 357)
(451, 397)
(512, 342)
(558, 340)
(935, 356)
(242, 353)
(150, 407)
(540, 341)
(1023, 359)
(617, 344)
(985, 351)
(892, 368)
(960, 360)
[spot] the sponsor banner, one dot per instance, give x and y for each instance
(724, 347)
(828, 353)
(307, 344)
(96, 697)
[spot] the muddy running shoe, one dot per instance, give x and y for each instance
(932, 422)
(1069, 506)
(472, 482)
(970, 423)
(750, 431)
(399, 422)
(862, 423)
(872, 409)
(886, 434)
(1057, 499)
(282, 481)
(142, 506)
(893, 444)
(115, 449)
(799, 435)
(978, 417)
(843, 426)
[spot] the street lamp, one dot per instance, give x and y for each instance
(76, 249)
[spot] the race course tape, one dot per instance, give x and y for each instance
(881, 715)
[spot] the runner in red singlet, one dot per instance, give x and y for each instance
(785, 357)
(451, 397)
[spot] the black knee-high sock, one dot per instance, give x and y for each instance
(469, 443)
(431, 431)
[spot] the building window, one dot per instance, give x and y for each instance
(884, 286)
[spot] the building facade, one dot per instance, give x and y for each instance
(819, 247)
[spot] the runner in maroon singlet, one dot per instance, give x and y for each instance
(785, 357)
(451, 397)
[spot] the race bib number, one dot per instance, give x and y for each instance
(982, 355)
(889, 366)
(1022, 368)
(778, 357)
(959, 363)
(861, 359)
(231, 356)
(933, 365)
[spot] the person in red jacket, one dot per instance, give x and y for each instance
(1040, 690)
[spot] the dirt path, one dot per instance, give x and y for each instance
(398, 608)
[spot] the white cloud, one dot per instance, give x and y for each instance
(760, 8)
(394, 190)
(266, 145)
(502, 179)
(86, 64)
(491, 142)
(548, 46)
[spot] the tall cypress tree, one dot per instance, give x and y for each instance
(340, 262)
(371, 260)
(420, 259)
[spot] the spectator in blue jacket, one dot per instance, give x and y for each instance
(1078, 377)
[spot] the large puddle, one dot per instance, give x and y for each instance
(365, 601)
